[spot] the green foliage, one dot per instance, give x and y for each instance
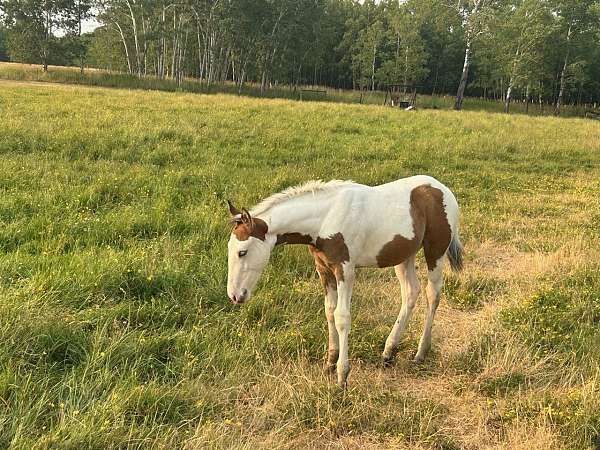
(406, 61)
(3, 44)
(518, 49)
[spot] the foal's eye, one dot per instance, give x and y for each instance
(242, 253)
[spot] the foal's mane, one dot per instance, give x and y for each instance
(310, 187)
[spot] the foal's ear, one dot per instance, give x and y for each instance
(232, 209)
(247, 218)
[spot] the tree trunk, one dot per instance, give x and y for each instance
(563, 74)
(435, 80)
(144, 57)
(508, 96)
(511, 81)
(373, 68)
(181, 60)
(263, 82)
(242, 76)
(465, 75)
(81, 50)
(405, 79)
(201, 53)
(46, 47)
(125, 46)
(467, 62)
(160, 50)
(135, 40)
(175, 51)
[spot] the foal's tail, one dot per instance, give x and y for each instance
(455, 249)
(455, 253)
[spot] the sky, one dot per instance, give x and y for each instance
(89, 25)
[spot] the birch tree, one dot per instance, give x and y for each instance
(577, 19)
(523, 34)
(474, 13)
(406, 62)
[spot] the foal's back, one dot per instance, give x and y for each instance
(386, 224)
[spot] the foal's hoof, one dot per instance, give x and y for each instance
(387, 361)
(419, 359)
(342, 378)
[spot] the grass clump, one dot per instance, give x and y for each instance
(561, 318)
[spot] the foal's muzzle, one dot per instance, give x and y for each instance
(239, 299)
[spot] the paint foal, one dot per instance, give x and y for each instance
(348, 225)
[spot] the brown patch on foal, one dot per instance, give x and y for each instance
(325, 272)
(257, 228)
(330, 253)
(334, 247)
(399, 249)
(294, 238)
(438, 233)
(430, 226)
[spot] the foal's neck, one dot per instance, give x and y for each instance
(298, 216)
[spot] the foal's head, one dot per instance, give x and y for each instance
(249, 249)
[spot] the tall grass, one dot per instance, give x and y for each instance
(103, 78)
(117, 333)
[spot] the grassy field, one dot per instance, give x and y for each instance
(117, 332)
(96, 77)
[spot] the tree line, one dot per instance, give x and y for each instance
(537, 51)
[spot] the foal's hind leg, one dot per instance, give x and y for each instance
(434, 286)
(410, 287)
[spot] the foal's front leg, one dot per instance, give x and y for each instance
(330, 285)
(345, 280)
(333, 349)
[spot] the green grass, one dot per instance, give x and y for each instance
(102, 78)
(117, 333)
